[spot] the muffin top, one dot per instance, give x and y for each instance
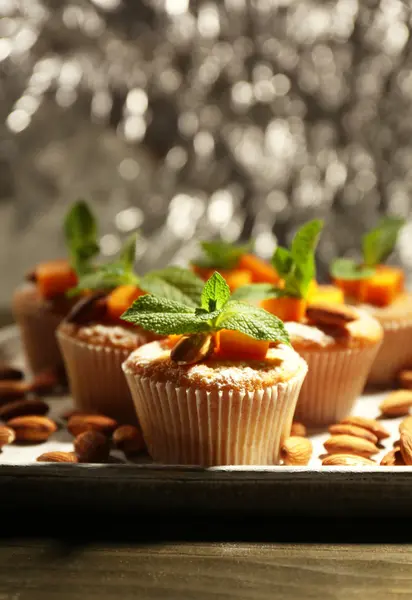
(399, 309)
(153, 360)
(98, 334)
(361, 332)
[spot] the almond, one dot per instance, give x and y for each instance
(8, 372)
(396, 404)
(7, 436)
(191, 349)
(72, 412)
(44, 382)
(10, 390)
(349, 444)
(298, 429)
(296, 451)
(348, 429)
(32, 428)
(406, 446)
(397, 444)
(92, 447)
(346, 460)
(129, 439)
(375, 426)
(18, 408)
(337, 315)
(89, 308)
(393, 458)
(405, 379)
(57, 456)
(80, 423)
(406, 424)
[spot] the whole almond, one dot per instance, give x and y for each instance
(11, 389)
(44, 382)
(32, 428)
(129, 439)
(348, 429)
(406, 447)
(346, 460)
(191, 349)
(92, 447)
(337, 315)
(406, 424)
(393, 458)
(298, 429)
(405, 379)
(18, 408)
(296, 451)
(80, 423)
(349, 444)
(58, 457)
(92, 307)
(72, 412)
(396, 404)
(8, 372)
(375, 426)
(397, 444)
(7, 436)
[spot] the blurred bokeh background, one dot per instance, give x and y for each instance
(193, 119)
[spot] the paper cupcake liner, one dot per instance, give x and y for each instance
(96, 379)
(334, 381)
(38, 334)
(193, 426)
(394, 354)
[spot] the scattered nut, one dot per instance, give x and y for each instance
(32, 428)
(393, 458)
(44, 382)
(129, 439)
(72, 412)
(18, 408)
(7, 372)
(298, 429)
(375, 426)
(192, 348)
(396, 404)
(296, 451)
(406, 447)
(92, 447)
(80, 423)
(405, 379)
(7, 436)
(57, 456)
(346, 460)
(349, 444)
(10, 390)
(348, 429)
(406, 424)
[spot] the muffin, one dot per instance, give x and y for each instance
(94, 344)
(38, 307)
(339, 344)
(218, 411)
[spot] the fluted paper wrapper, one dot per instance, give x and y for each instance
(96, 379)
(334, 381)
(192, 426)
(394, 354)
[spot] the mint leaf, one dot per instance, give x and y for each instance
(255, 322)
(255, 291)
(216, 293)
(345, 268)
(128, 252)
(80, 230)
(305, 241)
(222, 255)
(105, 277)
(174, 283)
(165, 317)
(379, 243)
(282, 261)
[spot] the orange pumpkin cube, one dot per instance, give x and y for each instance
(121, 298)
(54, 277)
(234, 344)
(286, 307)
(326, 293)
(261, 271)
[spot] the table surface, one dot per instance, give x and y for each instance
(108, 557)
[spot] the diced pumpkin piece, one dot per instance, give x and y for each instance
(286, 308)
(385, 285)
(172, 340)
(234, 277)
(121, 298)
(203, 272)
(326, 293)
(234, 344)
(54, 277)
(351, 288)
(261, 271)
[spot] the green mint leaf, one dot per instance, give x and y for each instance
(254, 322)
(105, 277)
(305, 241)
(222, 255)
(128, 252)
(80, 230)
(282, 261)
(165, 317)
(254, 291)
(379, 243)
(215, 294)
(345, 268)
(174, 283)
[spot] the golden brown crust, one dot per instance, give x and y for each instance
(153, 361)
(97, 334)
(400, 310)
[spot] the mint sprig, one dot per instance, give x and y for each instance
(295, 266)
(222, 255)
(80, 230)
(174, 283)
(377, 246)
(217, 311)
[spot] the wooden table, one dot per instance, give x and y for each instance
(106, 558)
